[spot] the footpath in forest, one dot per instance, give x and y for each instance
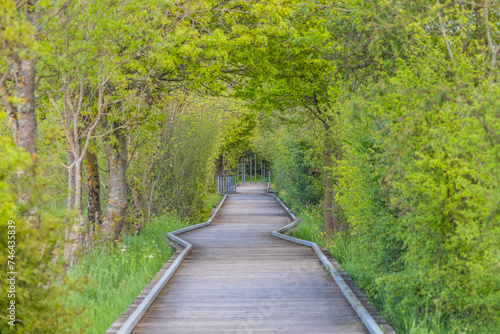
(240, 279)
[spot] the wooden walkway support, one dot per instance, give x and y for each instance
(239, 278)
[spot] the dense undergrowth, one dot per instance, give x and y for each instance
(418, 235)
(346, 249)
(109, 278)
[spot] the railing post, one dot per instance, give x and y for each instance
(261, 174)
(269, 177)
(255, 167)
(264, 172)
(244, 170)
(250, 169)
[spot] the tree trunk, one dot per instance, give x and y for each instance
(22, 117)
(219, 171)
(27, 118)
(94, 213)
(78, 185)
(71, 180)
(74, 236)
(116, 152)
(22, 120)
(138, 211)
(329, 206)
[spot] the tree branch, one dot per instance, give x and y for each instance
(444, 34)
(64, 123)
(494, 52)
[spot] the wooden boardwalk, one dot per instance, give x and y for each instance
(240, 279)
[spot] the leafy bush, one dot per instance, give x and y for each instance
(38, 308)
(418, 187)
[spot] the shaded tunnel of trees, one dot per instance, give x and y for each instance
(380, 121)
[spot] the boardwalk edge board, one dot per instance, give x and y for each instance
(370, 323)
(139, 312)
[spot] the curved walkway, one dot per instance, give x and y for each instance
(240, 279)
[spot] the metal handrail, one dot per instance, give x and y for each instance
(146, 303)
(367, 319)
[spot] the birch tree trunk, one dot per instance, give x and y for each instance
(78, 185)
(78, 234)
(71, 180)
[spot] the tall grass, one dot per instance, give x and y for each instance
(110, 278)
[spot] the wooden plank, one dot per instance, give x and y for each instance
(238, 278)
(237, 267)
(371, 324)
(154, 290)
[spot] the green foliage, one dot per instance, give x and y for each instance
(239, 135)
(294, 152)
(187, 165)
(416, 175)
(179, 158)
(443, 186)
(38, 309)
(16, 34)
(409, 90)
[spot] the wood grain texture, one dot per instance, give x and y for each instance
(240, 279)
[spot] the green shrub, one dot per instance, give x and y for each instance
(38, 241)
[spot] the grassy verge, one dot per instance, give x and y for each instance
(110, 278)
(345, 249)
